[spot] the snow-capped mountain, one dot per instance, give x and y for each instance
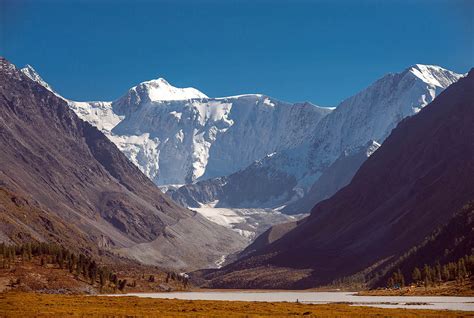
(368, 116)
(29, 71)
(375, 111)
(107, 115)
(252, 150)
(179, 135)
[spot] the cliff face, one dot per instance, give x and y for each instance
(81, 184)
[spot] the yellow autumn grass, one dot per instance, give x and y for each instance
(14, 304)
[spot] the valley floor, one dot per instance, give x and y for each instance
(13, 304)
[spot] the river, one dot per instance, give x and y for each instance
(413, 302)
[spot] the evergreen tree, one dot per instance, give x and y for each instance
(114, 279)
(401, 278)
(101, 278)
(438, 276)
(445, 273)
(29, 252)
(92, 271)
(461, 269)
(122, 284)
(390, 283)
(416, 275)
(426, 274)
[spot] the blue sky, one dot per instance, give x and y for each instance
(318, 51)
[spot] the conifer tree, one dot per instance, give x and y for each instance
(416, 275)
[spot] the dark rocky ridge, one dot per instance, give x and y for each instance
(70, 172)
(420, 176)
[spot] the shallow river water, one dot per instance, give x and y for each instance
(414, 302)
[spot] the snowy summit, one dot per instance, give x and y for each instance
(29, 71)
(160, 90)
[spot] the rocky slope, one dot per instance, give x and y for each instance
(420, 176)
(287, 175)
(62, 180)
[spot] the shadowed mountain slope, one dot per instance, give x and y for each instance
(448, 243)
(81, 186)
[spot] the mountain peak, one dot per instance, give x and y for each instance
(161, 90)
(29, 71)
(434, 75)
(30, 68)
(157, 82)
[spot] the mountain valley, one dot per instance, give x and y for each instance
(258, 183)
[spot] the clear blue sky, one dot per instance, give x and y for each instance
(318, 51)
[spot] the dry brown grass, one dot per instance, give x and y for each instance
(42, 305)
